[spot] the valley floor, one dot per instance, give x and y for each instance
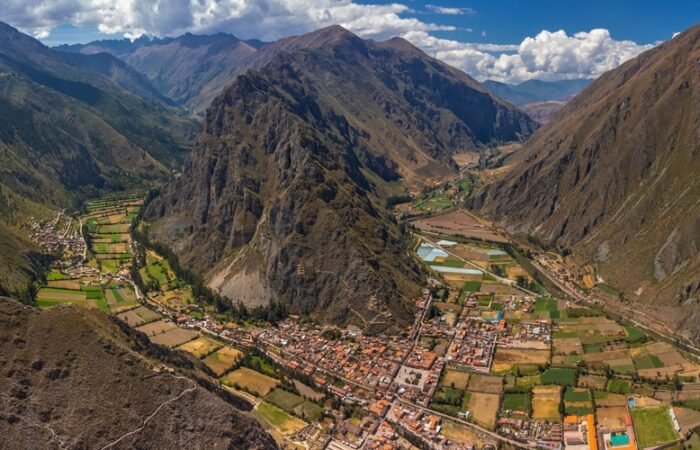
(490, 359)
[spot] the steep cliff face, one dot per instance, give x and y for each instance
(614, 178)
(284, 196)
(70, 379)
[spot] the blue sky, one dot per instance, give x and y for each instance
(510, 21)
(505, 40)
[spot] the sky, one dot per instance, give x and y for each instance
(511, 40)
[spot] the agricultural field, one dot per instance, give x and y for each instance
(293, 403)
(55, 275)
(562, 377)
(62, 294)
(458, 432)
(455, 378)
(176, 299)
(157, 327)
(484, 408)
(222, 360)
(138, 316)
(73, 285)
(250, 381)
(447, 400)
(279, 419)
(609, 399)
(595, 382)
(508, 358)
(119, 299)
(545, 403)
(48, 297)
(528, 381)
(471, 286)
(284, 399)
(435, 203)
(653, 426)
(200, 347)
(460, 223)
(516, 401)
(157, 270)
(485, 383)
(173, 338)
(577, 402)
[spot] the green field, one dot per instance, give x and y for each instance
(284, 399)
(577, 395)
(647, 362)
(577, 402)
(562, 377)
(471, 286)
(48, 303)
(111, 229)
(293, 403)
(157, 269)
(516, 401)
(528, 381)
(692, 404)
(617, 386)
(652, 426)
(545, 304)
(117, 295)
(634, 334)
(435, 203)
(309, 410)
(97, 295)
(448, 263)
(47, 297)
(55, 275)
(109, 265)
(279, 418)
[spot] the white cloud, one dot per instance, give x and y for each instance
(450, 10)
(549, 55)
(261, 19)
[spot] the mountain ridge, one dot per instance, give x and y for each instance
(284, 196)
(53, 376)
(622, 152)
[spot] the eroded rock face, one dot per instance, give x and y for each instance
(284, 196)
(73, 381)
(614, 177)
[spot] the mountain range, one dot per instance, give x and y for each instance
(540, 99)
(614, 180)
(189, 70)
(284, 196)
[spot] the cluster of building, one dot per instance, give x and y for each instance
(540, 434)
(424, 425)
(536, 334)
(474, 343)
(60, 235)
